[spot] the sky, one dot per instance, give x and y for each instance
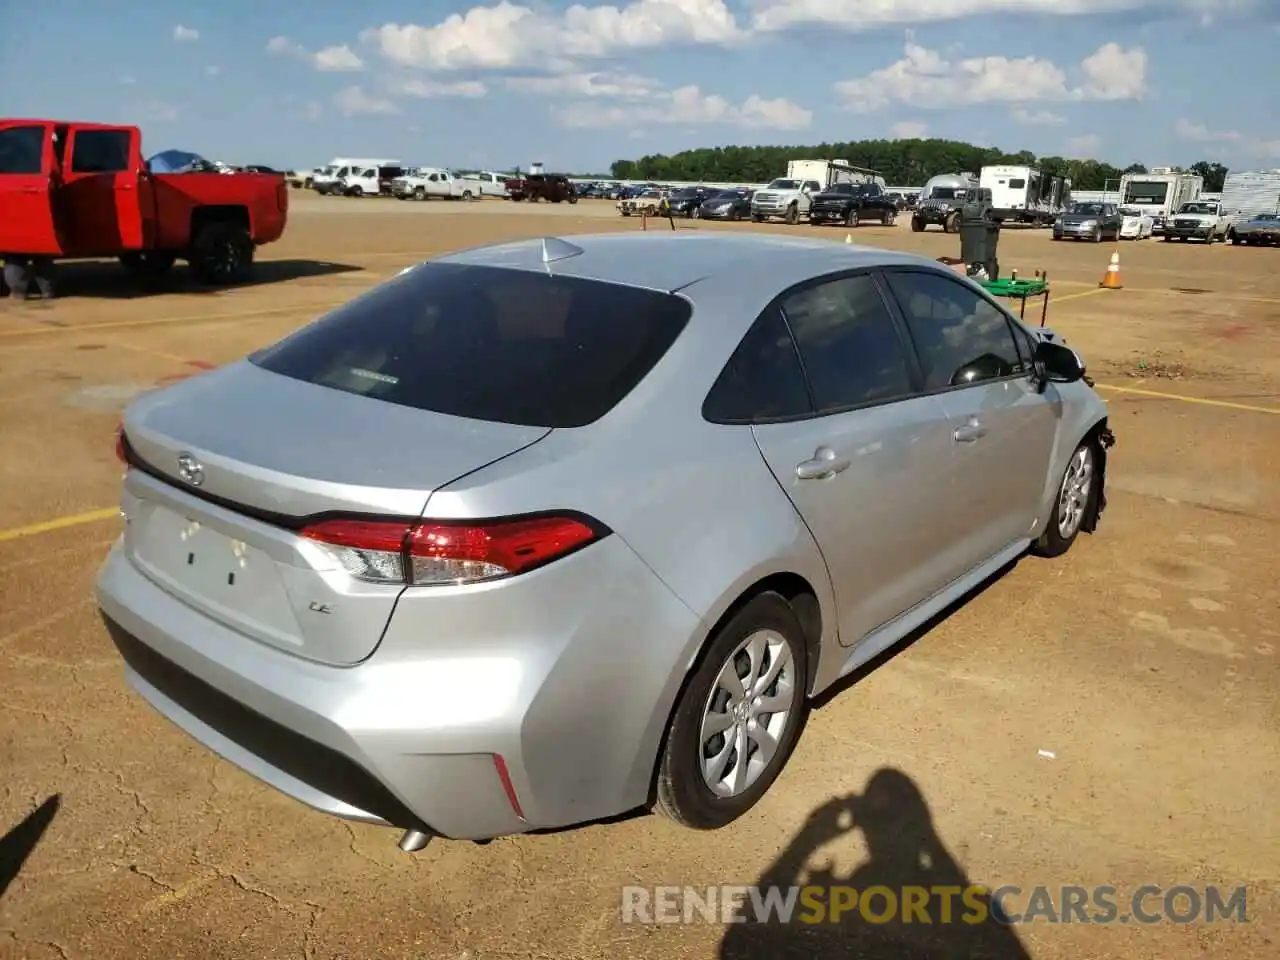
(576, 86)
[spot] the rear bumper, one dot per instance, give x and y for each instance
(573, 697)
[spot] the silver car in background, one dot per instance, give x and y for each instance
(544, 532)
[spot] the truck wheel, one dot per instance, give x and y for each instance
(793, 215)
(889, 217)
(951, 224)
(917, 225)
(572, 198)
(757, 218)
(222, 253)
(468, 196)
(148, 265)
(356, 191)
(851, 218)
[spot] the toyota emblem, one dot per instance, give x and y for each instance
(190, 469)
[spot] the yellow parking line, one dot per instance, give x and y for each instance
(1205, 401)
(1077, 296)
(59, 523)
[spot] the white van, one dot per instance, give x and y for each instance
(329, 177)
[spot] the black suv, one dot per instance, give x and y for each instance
(852, 204)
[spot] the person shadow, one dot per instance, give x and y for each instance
(904, 853)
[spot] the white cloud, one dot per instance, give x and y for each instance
(1251, 145)
(185, 34)
(925, 78)
(1199, 133)
(591, 85)
(337, 59)
(908, 130)
(687, 105)
(212, 70)
(433, 89)
(1037, 118)
(355, 102)
(860, 15)
(1086, 145)
(509, 35)
(284, 47)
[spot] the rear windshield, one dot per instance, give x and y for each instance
(488, 343)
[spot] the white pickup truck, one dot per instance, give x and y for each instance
(490, 184)
(784, 197)
(1198, 220)
(425, 183)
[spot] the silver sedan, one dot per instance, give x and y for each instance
(545, 532)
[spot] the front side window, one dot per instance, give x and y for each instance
(850, 346)
(960, 337)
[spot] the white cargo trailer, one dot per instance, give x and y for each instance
(1249, 193)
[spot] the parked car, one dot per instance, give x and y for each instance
(645, 203)
(83, 190)
(1263, 229)
(687, 201)
(1089, 221)
(731, 204)
(1136, 224)
(656, 524)
(853, 204)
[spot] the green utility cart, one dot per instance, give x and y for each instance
(1022, 290)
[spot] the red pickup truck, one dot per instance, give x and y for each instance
(81, 190)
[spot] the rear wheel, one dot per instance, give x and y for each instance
(917, 225)
(738, 718)
(356, 191)
(222, 253)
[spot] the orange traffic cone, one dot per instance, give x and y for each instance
(1111, 279)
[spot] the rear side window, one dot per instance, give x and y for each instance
(850, 346)
(100, 151)
(488, 343)
(1018, 184)
(763, 379)
(22, 150)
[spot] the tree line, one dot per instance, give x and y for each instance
(900, 162)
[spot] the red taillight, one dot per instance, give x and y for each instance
(450, 552)
(120, 451)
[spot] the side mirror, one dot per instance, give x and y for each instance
(1056, 363)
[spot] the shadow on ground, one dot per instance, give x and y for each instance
(19, 842)
(905, 854)
(107, 279)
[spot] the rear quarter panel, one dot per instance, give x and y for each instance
(179, 195)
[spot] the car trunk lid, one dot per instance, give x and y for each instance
(233, 465)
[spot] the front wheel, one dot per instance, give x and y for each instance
(572, 198)
(738, 718)
(1075, 498)
(952, 224)
(793, 215)
(851, 218)
(917, 225)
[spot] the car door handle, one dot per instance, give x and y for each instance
(971, 431)
(824, 464)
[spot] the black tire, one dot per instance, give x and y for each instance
(222, 253)
(735, 214)
(150, 266)
(757, 218)
(1097, 234)
(793, 215)
(917, 225)
(1053, 543)
(356, 191)
(851, 218)
(572, 198)
(951, 224)
(681, 792)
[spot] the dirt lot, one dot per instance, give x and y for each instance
(1110, 718)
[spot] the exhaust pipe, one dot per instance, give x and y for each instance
(414, 840)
